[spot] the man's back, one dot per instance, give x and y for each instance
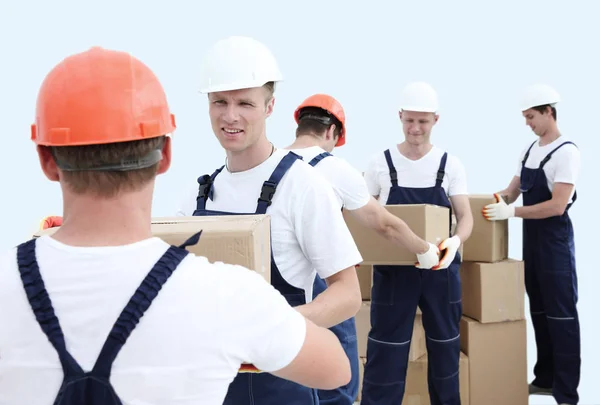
(347, 183)
(186, 349)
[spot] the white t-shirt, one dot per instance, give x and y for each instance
(419, 173)
(563, 167)
(305, 218)
(187, 348)
(347, 182)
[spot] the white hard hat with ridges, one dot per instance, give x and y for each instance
(238, 62)
(419, 96)
(538, 94)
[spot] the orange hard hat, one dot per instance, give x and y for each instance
(100, 96)
(329, 104)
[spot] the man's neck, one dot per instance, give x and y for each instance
(93, 221)
(304, 141)
(249, 157)
(549, 136)
(414, 152)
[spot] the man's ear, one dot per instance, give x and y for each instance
(47, 163)
(165, 162)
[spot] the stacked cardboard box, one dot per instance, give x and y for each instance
(493, 329)
(430, 223)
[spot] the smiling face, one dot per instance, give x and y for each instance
(417, 126)
(238, 116)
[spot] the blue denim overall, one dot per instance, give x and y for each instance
(346, 333)
(396, 293)
(262, 388)
(93, 387)
(551, 284)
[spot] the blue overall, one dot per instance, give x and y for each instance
(93, 387)
(262, 388)
(346, 333)
(395, 295)
(551, 284)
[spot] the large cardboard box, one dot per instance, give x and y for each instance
(497, 361)
(417, 391)
(493, 292)
(363, 325)
(429, 222)
(365, 280)
(489, 239)
(237, 239)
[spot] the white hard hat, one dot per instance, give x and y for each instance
(538, 94)
(419, 96)
(238, 63)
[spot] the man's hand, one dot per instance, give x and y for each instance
(428, 259)
(449, 247)
(498, 211)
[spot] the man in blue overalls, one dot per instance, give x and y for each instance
(546, 175)
(416, 172)
(321, 127)
(309, 236)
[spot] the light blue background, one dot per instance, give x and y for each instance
(478, 55)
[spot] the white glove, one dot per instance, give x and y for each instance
(428, 259)
(498, 211)
(449, 247)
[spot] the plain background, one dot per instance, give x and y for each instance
(478, 56)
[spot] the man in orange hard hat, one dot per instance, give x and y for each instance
(322, 127)
(101, 129)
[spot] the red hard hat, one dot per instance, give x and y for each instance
(100, 96)
(329, 104)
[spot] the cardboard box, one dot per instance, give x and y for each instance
(489, 239)
(497, 361)
(429, 222)
(493, 292)
(365, 280)
(363, 325)
(238, 239)
(417, 391)
(361, 372)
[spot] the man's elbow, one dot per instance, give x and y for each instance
(559, 209)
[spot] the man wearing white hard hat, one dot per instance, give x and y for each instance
(546, 175)
(417, 172)
(308, 233)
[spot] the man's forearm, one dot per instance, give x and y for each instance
(340, 301)
(396, 231)
(542, 210)
(464, 227)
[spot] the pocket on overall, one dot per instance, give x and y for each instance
(384, 283)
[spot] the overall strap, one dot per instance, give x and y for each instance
(441, 170)
(547, 158)
(270, 186)
(42, 306)
(527, 154)
(392, 169)
(139, 304)
(549, 155)
(205, 189)
(318, 158)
